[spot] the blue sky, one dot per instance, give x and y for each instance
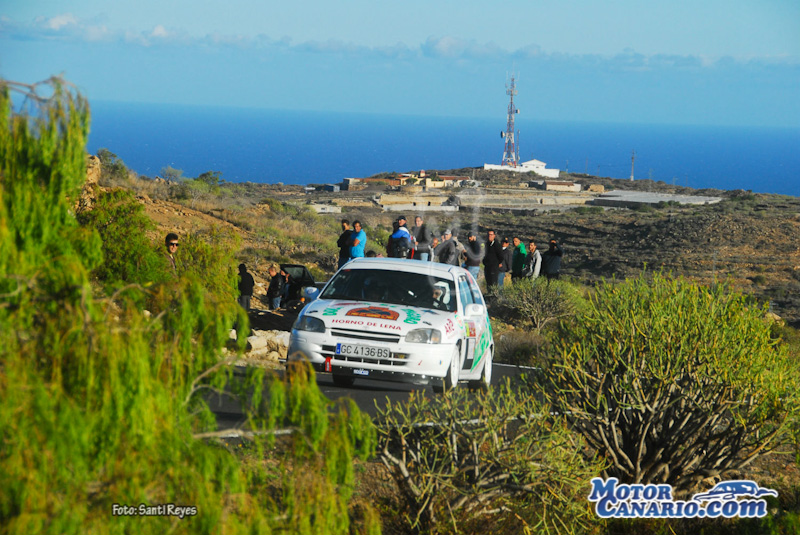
(730, 62)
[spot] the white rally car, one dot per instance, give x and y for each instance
(397, 320)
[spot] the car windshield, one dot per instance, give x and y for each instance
(394, 287)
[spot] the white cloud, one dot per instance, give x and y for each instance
(448, 48)
(60, 21)
(159, 32)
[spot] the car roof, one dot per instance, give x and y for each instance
(403, 264)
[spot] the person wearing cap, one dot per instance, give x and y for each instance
(551, 261)
(421, 240)
(474, 254)
(399, 242)
(446, 250)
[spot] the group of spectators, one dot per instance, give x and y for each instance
(501, 258)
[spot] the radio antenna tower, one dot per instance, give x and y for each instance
(511, 152)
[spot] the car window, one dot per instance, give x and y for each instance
(396, 287)
(476, 292)
(464, 291)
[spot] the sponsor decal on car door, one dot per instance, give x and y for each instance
(471, 332)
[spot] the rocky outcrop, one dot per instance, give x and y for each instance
(265, 348)
(91, 188)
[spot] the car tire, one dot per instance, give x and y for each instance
(343, 381)
(485, 381)
(450, 381)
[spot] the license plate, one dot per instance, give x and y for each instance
(361, 372)
(358, 350)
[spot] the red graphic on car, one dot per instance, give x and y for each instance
(375, 312)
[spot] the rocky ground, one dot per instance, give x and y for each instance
(756, 246)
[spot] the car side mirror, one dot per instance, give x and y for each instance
(310, 293)
(475, 310)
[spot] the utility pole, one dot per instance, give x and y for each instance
(511, 152)
(633, 158)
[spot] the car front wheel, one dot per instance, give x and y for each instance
(450, 381)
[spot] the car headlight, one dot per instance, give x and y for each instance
(424, 336)
(309, 323)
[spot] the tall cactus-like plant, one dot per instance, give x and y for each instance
(671, 381)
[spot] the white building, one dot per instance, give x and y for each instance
(537, 166)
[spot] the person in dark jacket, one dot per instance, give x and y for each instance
(399, 243)
(275, 288)
(518, 257)
(507, 256)
(344, 242)
(421, 239)
(551, 261)
(446, 251)
(492, 259)
(474, 254)
(246, 284)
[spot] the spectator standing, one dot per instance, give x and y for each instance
(492, 259)
(474, 253)
(518, 257)
(358, 242)
(171, 244)
(399, 242)
(533, 262)
(344, 242)
(246, 285)
(276, 287)
(434, 245)
(506, 257)
(421, 240)
(551, 261)
(446, 250)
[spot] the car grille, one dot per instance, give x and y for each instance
(361, 335)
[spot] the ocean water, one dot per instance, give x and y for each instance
(297, 147)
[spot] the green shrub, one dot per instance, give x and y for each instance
(113, 171)
(494, 460)
(671, 381)
(128, 255)
(518, 347)
(538, 301)
(586, 210)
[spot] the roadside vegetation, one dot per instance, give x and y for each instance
(102, 398)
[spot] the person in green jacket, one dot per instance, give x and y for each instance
(518, 259)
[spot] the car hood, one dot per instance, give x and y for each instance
(381, 317)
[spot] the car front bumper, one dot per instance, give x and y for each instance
(408, 363)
